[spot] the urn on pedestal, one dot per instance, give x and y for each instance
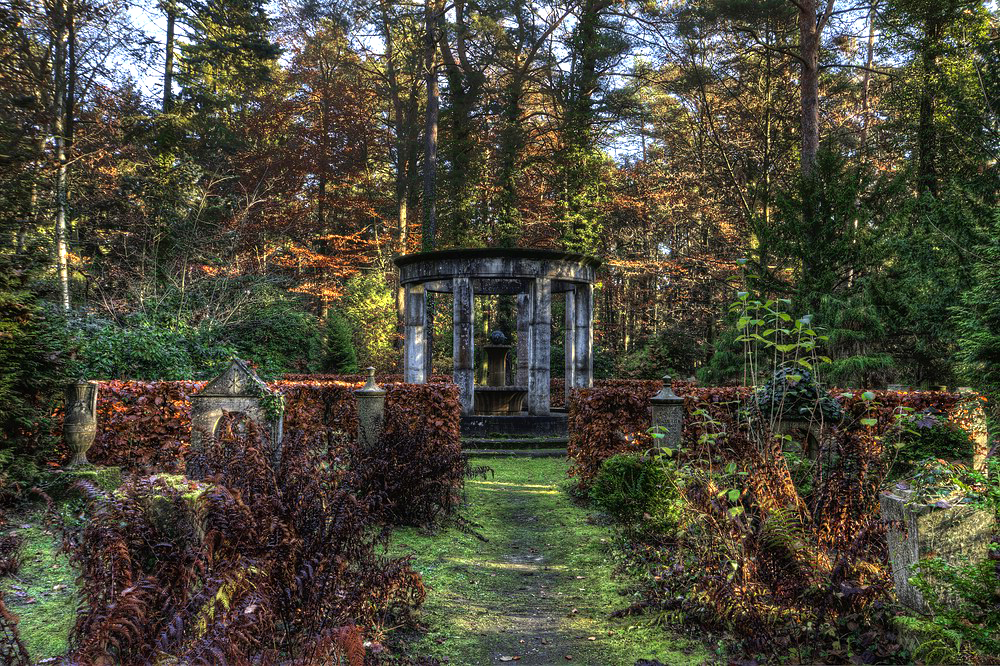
(80, 423)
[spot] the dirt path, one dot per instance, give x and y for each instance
(540, 590)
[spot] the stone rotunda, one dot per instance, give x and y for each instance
(533, 276)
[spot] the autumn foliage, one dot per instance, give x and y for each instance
(776, 551)
(253, 565)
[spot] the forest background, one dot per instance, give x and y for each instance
(185, 181)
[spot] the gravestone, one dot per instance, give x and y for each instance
(238, 390)
(958, 535)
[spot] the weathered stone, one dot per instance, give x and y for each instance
(60, 482)
(960, 534)
(569, 344)
(583, 307)
(523, 339)
(80, 422)
(237, 390)
(415, 334)
(464, 345)
(540, 273)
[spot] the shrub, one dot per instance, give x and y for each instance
(32, 375)
(370, 307)
(637, 489)
(407, 480)
(255, 564)
(929, 436)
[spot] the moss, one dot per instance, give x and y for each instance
(43, 593)
(59, 483)
(541, 587)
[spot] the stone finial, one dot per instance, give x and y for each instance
(371, 386)
(666, 394)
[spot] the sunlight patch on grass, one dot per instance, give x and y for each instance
(43, 593)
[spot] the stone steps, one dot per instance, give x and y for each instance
(538, 447)
(526, 453)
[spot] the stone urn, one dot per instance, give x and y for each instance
(80, 423)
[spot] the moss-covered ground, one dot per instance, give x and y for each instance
(540, 590)
(43, 592)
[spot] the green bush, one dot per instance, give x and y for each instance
(267, 327)
(31, 381)
(369, 305)
(636, 489)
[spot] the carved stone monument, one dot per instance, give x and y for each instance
(237, 390)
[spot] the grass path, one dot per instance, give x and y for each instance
(540, 590)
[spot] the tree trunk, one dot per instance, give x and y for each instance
(431, 125)
(168, 65)
(926, 132)
(59, 128)
(809, 36)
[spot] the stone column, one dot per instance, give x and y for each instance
(523, 339)
(541, 333)
(415, 335)
(584, 347)
(465, 372)
(569, 343)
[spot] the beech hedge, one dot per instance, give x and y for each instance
(615, 416)
(147, 425)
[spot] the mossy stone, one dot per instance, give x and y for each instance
(60, 482)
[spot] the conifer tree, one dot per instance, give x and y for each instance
(341, 356)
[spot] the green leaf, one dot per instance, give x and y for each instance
(868, 395)
(804, 363)
(869, 422)
(734, 495)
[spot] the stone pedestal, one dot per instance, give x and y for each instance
(914, 532)
(496, 364)
(371, 412)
